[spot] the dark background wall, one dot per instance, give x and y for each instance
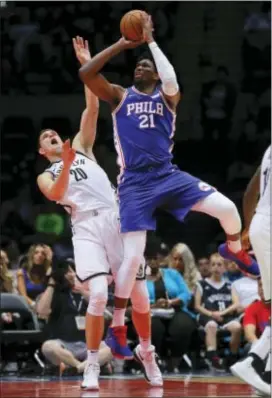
(221, 53)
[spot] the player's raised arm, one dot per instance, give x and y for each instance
(98, 84)
(165, 70)
(85, 138)
(55, 190)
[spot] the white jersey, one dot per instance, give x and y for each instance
(89, 187)
(263, 206)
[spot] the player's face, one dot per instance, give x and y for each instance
(50, 143)
(145, 72)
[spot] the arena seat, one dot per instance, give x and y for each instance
(20, 339)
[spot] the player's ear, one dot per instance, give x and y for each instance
(41, 151)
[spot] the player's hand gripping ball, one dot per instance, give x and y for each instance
(131, 25)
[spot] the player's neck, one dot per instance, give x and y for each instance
(53, 159)
(145, 89)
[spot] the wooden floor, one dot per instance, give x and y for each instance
(120, 386)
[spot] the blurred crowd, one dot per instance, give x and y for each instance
(225, 134)
(222, 141)
(218, 314)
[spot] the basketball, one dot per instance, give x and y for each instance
(131, 25)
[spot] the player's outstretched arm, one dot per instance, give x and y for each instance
(85, 138)
(55, 190)
(165, 70)
(98, 84)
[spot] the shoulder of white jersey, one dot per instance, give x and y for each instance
(52, 168)
(80, 153)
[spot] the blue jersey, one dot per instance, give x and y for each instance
(144, 126)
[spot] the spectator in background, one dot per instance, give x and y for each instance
(257, 317)
(182, 259)
(203, 264)
(169, 297)
(246, 289)
(218, 100)
(6, 278)
(31, 279)
(232, 272)
(6, 286)
(217, 307)
(64, 303)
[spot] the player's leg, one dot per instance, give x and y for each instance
(92, 268)
(134, 246)
(259, 235)
(115, 245)
(136, 216)
(251, 369)
(222, 208)
(124, 278)
(189, 193)
(144, 353)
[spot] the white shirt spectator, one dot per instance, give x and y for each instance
(247, 290)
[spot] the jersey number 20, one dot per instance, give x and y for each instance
(79, 174)
(146, 121)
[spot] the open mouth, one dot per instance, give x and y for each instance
(54, 141)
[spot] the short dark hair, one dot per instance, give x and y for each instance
(147, 55)
(39, 136)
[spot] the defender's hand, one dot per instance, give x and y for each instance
(68, 154)
(82, 51)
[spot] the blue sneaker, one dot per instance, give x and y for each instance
(116, 339)
(245, 263)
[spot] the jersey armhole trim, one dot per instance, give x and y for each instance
(120, 103)
(166, 103)
(50, 172)
(86, 156)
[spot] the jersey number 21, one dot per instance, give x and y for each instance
(146, 121)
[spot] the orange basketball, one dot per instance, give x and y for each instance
(131, 25)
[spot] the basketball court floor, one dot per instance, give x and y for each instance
(197, 386)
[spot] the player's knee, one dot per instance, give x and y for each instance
(211, 327)
(228, 214)
(229, 209)
(97, 303)
(98, 295)
(140, 298)
(134, 246)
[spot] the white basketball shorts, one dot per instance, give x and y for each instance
(98, 244)
(259, 235)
